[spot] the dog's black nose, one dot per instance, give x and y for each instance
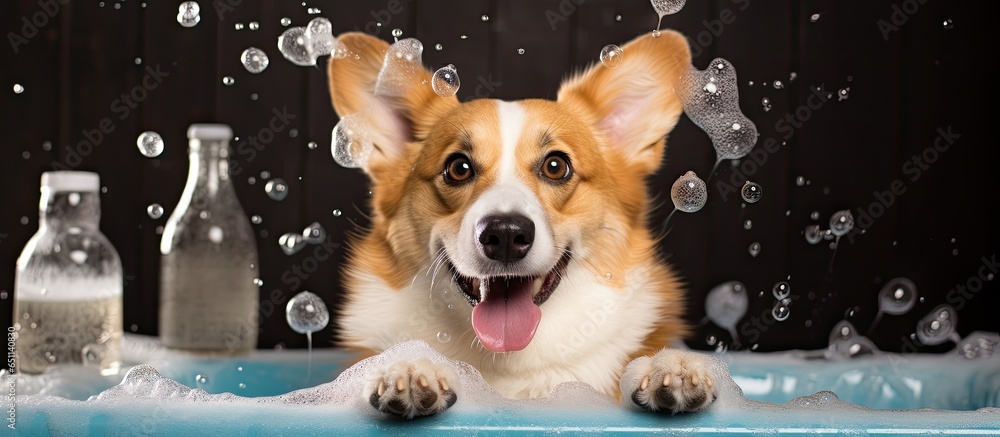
(506, 238)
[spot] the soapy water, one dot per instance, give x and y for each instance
(148, 402)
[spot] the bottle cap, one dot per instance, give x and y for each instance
(210, 132)
(71, 180)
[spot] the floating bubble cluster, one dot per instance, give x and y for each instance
(351, 145)
(401, 69)
(306, 313)
(291, 243)
(726, 304)
(611, 56)
(276, 189)
(188, 14)
(302, 45)
(150, 144)
(254, 60)
(711, 100)
(689, 193)
(751, 192)
(445, 81)
(938, 326)
(314, 234)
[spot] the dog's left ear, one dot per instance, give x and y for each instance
(634, 104)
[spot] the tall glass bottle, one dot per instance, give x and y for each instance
(208, 269)
(68, 283)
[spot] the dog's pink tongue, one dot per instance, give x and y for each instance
(506, 320)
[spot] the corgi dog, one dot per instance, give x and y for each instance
(512, 235)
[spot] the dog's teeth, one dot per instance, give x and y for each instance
(484, 287)
(536, 285)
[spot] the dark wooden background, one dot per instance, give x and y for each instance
(924, 76)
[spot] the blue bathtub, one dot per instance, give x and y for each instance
(276, 393)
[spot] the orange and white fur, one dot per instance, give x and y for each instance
(541, 206)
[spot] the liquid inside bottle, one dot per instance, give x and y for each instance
(208, 295)
(68, 283)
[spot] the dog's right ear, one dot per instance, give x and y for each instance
(395, 122)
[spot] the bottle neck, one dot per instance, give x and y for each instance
(208, 173)
(62, 209)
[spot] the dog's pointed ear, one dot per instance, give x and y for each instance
(393, 121)
(634, 104)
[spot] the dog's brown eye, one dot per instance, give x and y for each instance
(556, 167)
(458, 169)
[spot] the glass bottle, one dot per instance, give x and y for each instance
(68, 283)
(208, 268)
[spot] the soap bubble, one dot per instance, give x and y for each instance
(188, 14)
(778, 85)
(319, 34)
(285, 21)
(150, 144)
(276, 189)
(445, 81)
(754, 249)
(780, 311)
(254, 60)
(201, 378)
(726, 304)
(948, 24)
(689, 193)
(897, 297)
(443, 337)
(611, 56)
(402, 68)
(291, 243)
(314, 234)
(766, 103)
(306, 313)
(781, 290)
(841, 222)
(155, 211)
(228, 81)
(813, 234)
(294, 46)
(843, 93)
(351, 145)
(667, 7)
(711, 100)
(747, 224)
(938, 326)
(751, 192)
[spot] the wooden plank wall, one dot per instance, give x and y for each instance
(904, 85)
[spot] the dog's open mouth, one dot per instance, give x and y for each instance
(505, 310)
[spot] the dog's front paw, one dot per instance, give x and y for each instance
(412, 388)
(671, 381)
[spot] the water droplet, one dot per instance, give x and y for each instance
(751, 192)
(608, 275)
(656, 33)
(292, 133)
(256, 219)
(276, 189)
(397, 32)
(285, 21)
(689, 193)
(766, 103)
(77, 256)
(897, 296)
(337, 213)
(258, 282)
(485, 18)
(618, 18)
(238, 26)
(801, 181)
(711, 340)
(463, 36)
(814, 18)
(3, 295)
(438, 47)
(155, 211)
(813, 234)
(841, 222)
(215, 234)
(253, 25)
(150, 144)
(201, 378)
(667, 7)
(254, 60)
(445, 81)
(243, 385)
(611, 56)
(315, 11)
(251, 180)
(291, 243)
(189, 14)
(314, 234)
(520, 51)
(781, 290)
(18, 88)
(306, 313)
(948, 24)
(780, 312)
(228, 81)
(754, 249)
(814, 215)
(443, 337)
(778, 85)
(747, 224)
